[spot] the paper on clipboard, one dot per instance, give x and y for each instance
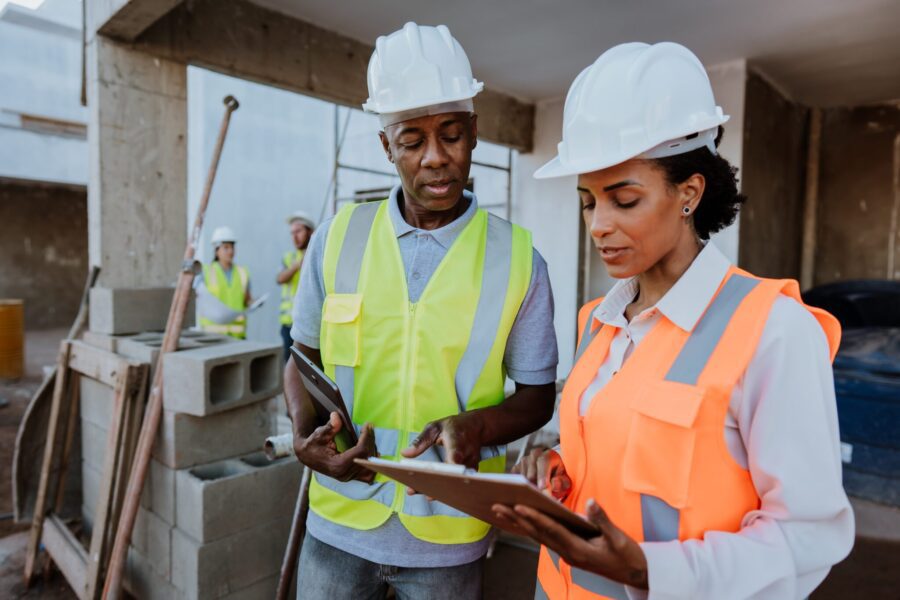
(475, 493)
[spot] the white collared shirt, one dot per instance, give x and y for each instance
(781, 425)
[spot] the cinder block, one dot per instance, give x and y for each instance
(230, 564)
(116, 311)
(185, 440)
(152, 538)
(93, 445)
(142, 580)
(90, 485)
(146, 346)
(96, 400)
(222, 498)
(162, 491)
(100, 340)
(209, 380)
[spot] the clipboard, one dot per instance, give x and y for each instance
(474, 493)
(326, 399)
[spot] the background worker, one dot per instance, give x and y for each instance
(698, 426)
(289, 276)
(418, 306)
(229, 284)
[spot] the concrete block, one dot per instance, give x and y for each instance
(93, 445)
(96, 402)
(230, 564)
(222, 498)
(209, 380)
(90, 481)
(115, 311)
(152, 538)
(100, 340)
(144, 582)
(146, 346)
(185, 440)
(162, 491)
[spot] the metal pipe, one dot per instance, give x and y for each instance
(279, 446)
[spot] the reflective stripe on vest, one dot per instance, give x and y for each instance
(289, 289)
(230, 293)
(661, 418)
(477, 300)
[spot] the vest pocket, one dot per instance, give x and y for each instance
(659, 452)
(341, 325)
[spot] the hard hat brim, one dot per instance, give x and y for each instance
(373, 107)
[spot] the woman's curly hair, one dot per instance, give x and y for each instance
(721, 200)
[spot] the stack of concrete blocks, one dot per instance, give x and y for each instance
(215, 513)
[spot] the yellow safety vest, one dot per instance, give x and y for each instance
(289, 289)
(231, 294)
(400, 364)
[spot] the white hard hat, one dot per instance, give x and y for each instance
(223, 234)
(419, 67)
(636, 100)
(302, 217)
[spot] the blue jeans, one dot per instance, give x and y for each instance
(327, 573)
(286, 341)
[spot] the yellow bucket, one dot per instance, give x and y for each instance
(12, 339)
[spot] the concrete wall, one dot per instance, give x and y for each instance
(43, 245)
(41, 75)
(775, 140)
(859, 195)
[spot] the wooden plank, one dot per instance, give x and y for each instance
(75, 399)
(40, 505)
(105, 494)
(67, 552)
(242, 39)
(96, 363)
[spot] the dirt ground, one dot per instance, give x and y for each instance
(871, 571)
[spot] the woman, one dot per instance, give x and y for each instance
(229, 284)
(698, 426)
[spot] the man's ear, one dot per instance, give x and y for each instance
(386, 144)
(473, 124)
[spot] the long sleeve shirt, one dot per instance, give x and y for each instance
(781, 425)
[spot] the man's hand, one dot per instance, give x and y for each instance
(460, 435)
(319, 452)
(545, 469)
(612, 554)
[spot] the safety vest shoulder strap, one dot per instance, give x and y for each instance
(346, 244)
(586, 330)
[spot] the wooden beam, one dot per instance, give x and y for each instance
(126, 19)
(241, 39)
(67, 552)
(97, 364)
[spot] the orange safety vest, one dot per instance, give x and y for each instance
(651, 449)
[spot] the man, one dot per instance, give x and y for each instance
(301, 230)
(418, 306)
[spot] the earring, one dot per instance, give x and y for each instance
(686, 210)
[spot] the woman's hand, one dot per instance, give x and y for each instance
(545, 469)
(612, 554)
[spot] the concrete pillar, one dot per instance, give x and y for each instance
(137, 206)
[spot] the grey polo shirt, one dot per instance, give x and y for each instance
(530, 358)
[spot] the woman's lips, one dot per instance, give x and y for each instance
(610, 254)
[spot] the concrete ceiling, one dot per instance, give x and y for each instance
(821, 52)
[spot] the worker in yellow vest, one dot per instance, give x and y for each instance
(288, 277)
(229, 284)
(418, 306)
(698, 426)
